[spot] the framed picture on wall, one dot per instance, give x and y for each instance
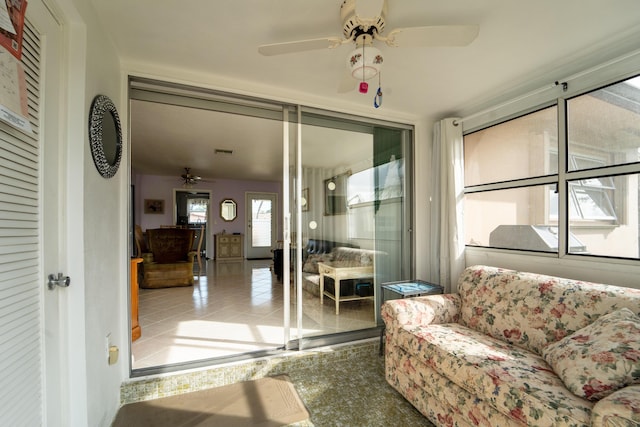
(335, 195)
(153, 206)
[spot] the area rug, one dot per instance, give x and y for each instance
(265, 402)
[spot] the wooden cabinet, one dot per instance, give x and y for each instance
(136, 332)
(229, 247)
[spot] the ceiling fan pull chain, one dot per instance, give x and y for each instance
(364, 86)
(364, 63)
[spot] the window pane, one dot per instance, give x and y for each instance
(360, 188)
(590, 204)
(512, 219)
(519, 148)
(361, 185)
(603, 126)
(261, 223)
(197, 211)
(619, 238)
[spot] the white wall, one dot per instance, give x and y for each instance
(162, 188)
(105, 228)
(422, 201)
(95, 224)
(602, 270)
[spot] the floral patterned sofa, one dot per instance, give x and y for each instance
(513, 348)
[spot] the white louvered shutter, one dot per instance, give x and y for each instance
(21, 339)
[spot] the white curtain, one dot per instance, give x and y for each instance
(447, 226)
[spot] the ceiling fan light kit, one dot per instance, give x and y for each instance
(365, 62)
(363, 22)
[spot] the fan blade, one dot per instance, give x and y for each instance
(300, 46)
(446, 35)
(369, 8)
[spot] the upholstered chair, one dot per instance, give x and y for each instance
(169, 261)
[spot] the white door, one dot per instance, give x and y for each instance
(56, 401)
(261, 214)
(31, 244)
(56, 393)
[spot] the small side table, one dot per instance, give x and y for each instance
(406, 289)
(339, 272)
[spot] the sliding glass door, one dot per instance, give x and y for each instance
(350, 188)
(342, 214)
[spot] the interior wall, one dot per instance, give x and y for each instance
(95, 227)
(603, 70)
(106, 281)
(161, 188)
(422, 205)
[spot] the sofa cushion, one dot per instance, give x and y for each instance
(311, 264)
(438, 397)
(533, 310)
(517, 382)
(600, 358)
(352, 257)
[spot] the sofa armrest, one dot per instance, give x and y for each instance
(421, 311)
(620, 408)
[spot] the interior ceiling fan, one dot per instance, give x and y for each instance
(189, 178)
(363, 23)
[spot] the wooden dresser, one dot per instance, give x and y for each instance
(229, 247)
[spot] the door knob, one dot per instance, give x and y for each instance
(60, 280)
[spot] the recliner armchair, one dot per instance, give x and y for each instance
(169, 261)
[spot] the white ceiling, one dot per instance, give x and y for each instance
(167, 138)
(521, 43)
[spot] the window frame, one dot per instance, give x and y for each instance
(569, 179)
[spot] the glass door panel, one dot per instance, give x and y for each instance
(261, 224)
(350, 221)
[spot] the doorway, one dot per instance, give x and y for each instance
(338, 165)
(261, 216)
(191, 209)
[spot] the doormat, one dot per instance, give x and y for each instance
(265, 402)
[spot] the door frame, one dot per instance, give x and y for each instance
(248, 196)
(210, 212)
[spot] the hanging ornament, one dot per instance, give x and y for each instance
(377, 100)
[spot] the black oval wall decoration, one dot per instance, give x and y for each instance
(105, 136)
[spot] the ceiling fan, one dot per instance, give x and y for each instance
(363, 23)
(189, 179)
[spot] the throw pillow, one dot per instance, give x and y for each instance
(599, 358)
(311, 264)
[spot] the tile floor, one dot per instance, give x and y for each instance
(233, 308)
